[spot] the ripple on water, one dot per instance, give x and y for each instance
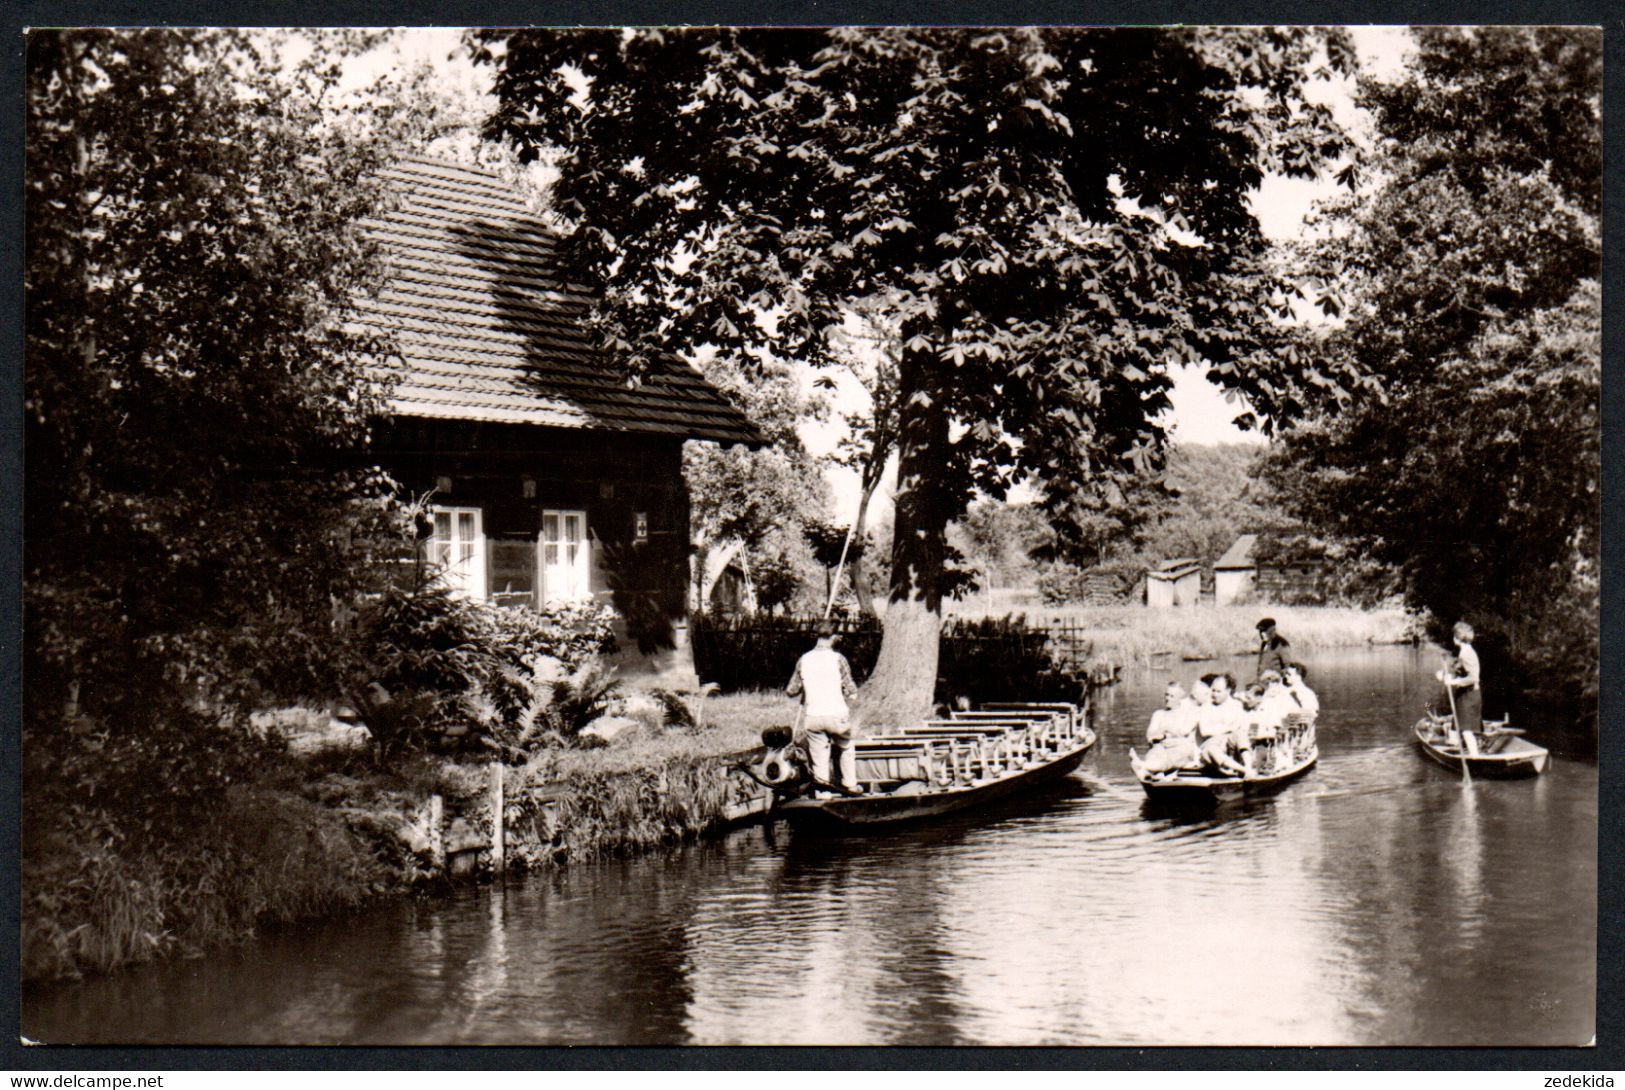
(1375, 901)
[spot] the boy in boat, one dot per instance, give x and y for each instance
(1223, 727)
(1272, 648)
(823, 680)
(1169, 733)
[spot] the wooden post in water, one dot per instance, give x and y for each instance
(437, 833)
(498, 855)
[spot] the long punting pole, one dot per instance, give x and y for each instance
(1461, 735)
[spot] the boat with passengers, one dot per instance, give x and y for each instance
(961, 760)
(1293, 754)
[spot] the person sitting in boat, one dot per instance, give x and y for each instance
(1272, 648)
(1250, 696)
(1198, 698)
(1294, 676)
(823, 680)
(1222, 729)
(1172, 747)
(1274, 705)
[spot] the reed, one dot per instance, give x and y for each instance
(94, 903)
(1134, 634)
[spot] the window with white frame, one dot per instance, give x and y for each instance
(457, 549)
(564, 556)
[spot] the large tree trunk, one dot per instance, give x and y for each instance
(903, 685)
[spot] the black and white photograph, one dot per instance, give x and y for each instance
(834, 535)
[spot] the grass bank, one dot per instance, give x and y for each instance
(326, 829)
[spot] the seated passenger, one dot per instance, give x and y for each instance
(1294, 676)
(1223, 728)
(1274, 706)
(1197, 699)
(1169, 733)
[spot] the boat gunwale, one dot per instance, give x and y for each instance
(1214, 784)
(1519, 753)
(834, 806)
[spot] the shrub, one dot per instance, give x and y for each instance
(430, 663)
(995, 658)
(1114, 581)
(760, 650)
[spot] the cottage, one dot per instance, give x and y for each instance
(1235, 574)
(550, 478)
(1175, 582)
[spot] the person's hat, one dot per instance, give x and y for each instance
(1269, 677)
(1266, 624)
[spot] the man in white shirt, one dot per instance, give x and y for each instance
(1223, 726)
(823, 680)
(1169, 733)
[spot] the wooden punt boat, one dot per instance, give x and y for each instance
(941, 766)
(1186, 788)
(1502, 754)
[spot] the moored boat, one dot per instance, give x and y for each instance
(1502, 753)
(941, 766)
(1187, 787)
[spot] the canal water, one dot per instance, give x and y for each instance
(1378, 901)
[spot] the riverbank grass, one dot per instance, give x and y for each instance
(1136, 635)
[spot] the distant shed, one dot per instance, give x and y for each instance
(1236, 573)
(1292, 569)
(1176, 582)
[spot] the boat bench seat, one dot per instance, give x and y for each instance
(895, 760)
(1047, 729)
(1069, 718)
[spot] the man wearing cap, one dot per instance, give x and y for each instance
(1272, 648)
(823, 680)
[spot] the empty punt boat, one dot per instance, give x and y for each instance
(941, 766)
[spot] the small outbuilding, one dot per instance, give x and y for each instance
(1176, 582)
(1292, 569)
(1235, 575)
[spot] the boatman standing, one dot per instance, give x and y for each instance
(1272, 648)
(823, 680)
(1467, 686)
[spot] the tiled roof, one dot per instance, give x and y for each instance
(1239, 555)
(488, 330)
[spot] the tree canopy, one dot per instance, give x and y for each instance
(1470, 271)
(191, 250)
(1055, 216)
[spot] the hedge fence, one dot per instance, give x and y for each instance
(981, 659)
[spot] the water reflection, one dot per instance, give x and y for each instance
(1376, 901)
